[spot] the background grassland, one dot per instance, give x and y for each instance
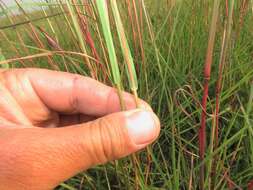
(168, 41)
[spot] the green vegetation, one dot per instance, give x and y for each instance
(192, 60)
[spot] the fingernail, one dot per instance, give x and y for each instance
(143, 126)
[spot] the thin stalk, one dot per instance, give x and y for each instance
(16, 31)
(44, 54)
(141, 17)
(248, 123)
(102, 45)
(29, 21)
(191, 174)
(62, 7)
(35, 35)
(129, 9)
(80, 36)
(49, 22)
(131, 73)
(207, 73)
(57, 23)
(139, 31)
(126, 51)
(89, 39)
(139, 25)
(157, 54)
(12, 47)
(227, 8)
(152, 37)
(223, 56)
(104, 18)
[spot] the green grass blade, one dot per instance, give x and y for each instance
(103, 14)
(125, 48)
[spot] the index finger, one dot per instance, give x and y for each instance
(71, 93)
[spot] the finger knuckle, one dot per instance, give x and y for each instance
(109, 144)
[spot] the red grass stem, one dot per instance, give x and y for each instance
(207, 73)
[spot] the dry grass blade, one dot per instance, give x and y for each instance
(45, 54)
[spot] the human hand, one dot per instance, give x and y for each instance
(53, 125)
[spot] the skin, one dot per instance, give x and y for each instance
(54, 125)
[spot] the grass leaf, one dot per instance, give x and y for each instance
(104, 18)
(125, 48)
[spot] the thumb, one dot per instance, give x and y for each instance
(54, 155)
(117, 135)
